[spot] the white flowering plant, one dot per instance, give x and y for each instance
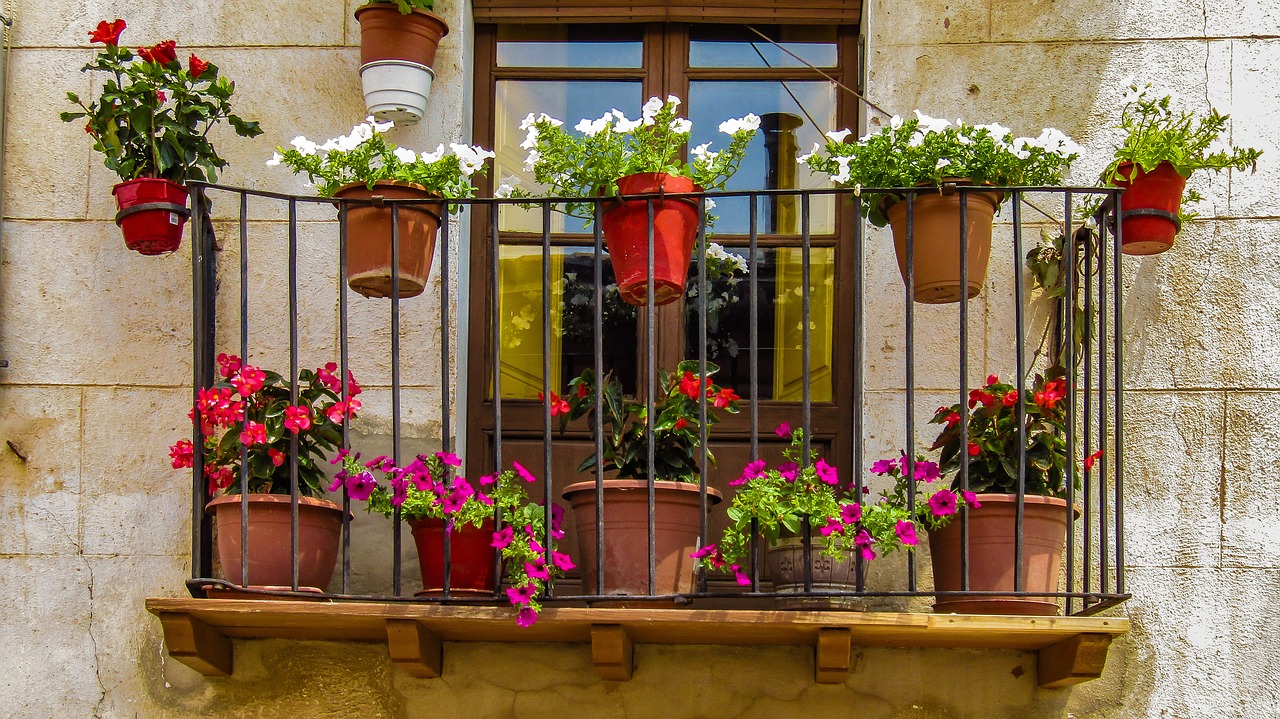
(589, 163)
(924, 150)
(365, 156)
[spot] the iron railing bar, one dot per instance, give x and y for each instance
(910, 410)
(598, 350)
(859, 338)
(198, 380)
(244, 354)
(1117, 246)
(964, 388)
(753, 209)
(651, 372)
(396, 528)
(1019, 296)
(446, 435)
(343, 369)
(1103, 231)
(702, 395)
(1069, 248)
(293, 391)
(806, 404)
(1087, 363)
(546, 388)
(495, 307)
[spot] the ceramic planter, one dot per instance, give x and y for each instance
(785, 561)
(992, 542)
(369, 239)
(626, 234)
(270, 530)
(397, 53)
(152, 214)
(677, 523)
(471, 570)
(936, 243)
(1149, 208)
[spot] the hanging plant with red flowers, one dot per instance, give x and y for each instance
(677, 408)
(249, 415)
(153, 116)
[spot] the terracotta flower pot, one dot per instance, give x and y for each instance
(471, 569)
(369, 239)
(785, 562)
(936, 243)
(1149, 208)
(626, 534)
(270, 530)
(386, 34)
(626, 235)
(152, 214)
(992, 538)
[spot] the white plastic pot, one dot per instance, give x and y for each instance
(396, 90)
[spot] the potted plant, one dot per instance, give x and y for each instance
(435, 503)
(1162, 147)
(248, 415)
(365, 167)
(619, 158)
(929, 152)
(151, 122)
(677, 454)
(398, 42)
(994, 436)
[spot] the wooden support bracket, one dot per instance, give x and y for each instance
(1071, 661)
(831, 655)
(196, 644)
(611, 651)
(414, 648)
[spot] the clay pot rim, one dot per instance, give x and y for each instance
(260, 498)
(662, 484)
(380, 6)
(889, 200)
(431, 208)
(619, 199)
(1041, 500)
(415, 522)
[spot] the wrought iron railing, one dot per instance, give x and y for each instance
(1094, 562)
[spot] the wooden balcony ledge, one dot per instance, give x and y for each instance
(198, 632)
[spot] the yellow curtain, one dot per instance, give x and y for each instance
(522, 320)
(788, 357)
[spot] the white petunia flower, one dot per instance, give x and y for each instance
(532, 159)
(711, 204)
(275, 160)
(817, 147)
(995, 129)
(304, 146)
(470, 158)
(681, 126)
(843, 175)
(405, 155)
(650, 110)
(895, 122)
(591, 128)
(749, 123)
(931, 124)
(504, 191)
(839, 135)
(942, 162)
(626, 126)
(430, 157)
(673, 101)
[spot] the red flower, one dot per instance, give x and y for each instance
(974, 449)
(277, 457)
(338, 410)
(254, 433)
(980, 395)
(680, 424)
(1054, 391)
(726, 396)
(1088, 461)
(219, 477)
(161, 53)
(1011, 398)
(248, 380)
(559, 405)
(198, 66)
(228, 364)
(108, 33)
(297, 419)
(161, 97)
(583, 391)
(325, 373)
(182, 453)
(992, 379)
(953, 419)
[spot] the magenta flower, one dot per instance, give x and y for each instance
(907, 533)
(399, 488)
(788, 471)
(562, 561)
(537, 569)
(341, 455)
(484, 499)
(488, 479)
(883, 466)
(338, 479)
(449, 458)
(738, 574)
(526, 617)
(971, 499)
(254, 433)
(826, 472)
(783, 430)
(863, 543)
(297, 419)
(851, 513)
(522, 595)
(711, 554)
(361, 486)
(228, 364)
(379, 462)
(248, 380)
(327, 378)
(524, 474)
(751, 471)
(943, 503)
(927, 471)
(833, 526)
(453, 502)
(503, 537)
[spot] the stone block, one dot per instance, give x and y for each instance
(958, 21)
(1086, 21)
(1253, 107)
(38, 509)
(1252, 475)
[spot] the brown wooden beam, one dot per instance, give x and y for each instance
(414, 648)
(196, 644)
(1072, 661)
(612, 652)
(831, 655)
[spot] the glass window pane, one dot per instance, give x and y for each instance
(780, 314)
(570, 45)
(794, 115)
(723, 46)
(573, 320)
(568, 100)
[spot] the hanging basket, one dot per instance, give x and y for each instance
(1149, 208)
(626, 235)
(397, 54)
(152, 214)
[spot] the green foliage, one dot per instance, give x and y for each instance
(365, 156)
(590, 163)
(406, 6)
(928, 151)
(153, 119)
(677, 447)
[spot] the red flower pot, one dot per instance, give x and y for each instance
(270, 540)
(1149, 208)
(471, 569)
(152, 214)
(626, 234)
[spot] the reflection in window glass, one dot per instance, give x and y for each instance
(794, 115)
(735, 46)
(780, 314)
(552, 45)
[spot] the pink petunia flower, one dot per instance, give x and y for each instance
(523, 473)
(537, 569)
(752, 471)
(906, 532)
(851, 513)
(832, 526)
(971, 499)
(943, 503)
(826, 472)
(783, 430)
(522, 595)
(738, 574)
(526, 617)
(863, 542)
(503, 537)
(883, 466)
(449, 458)
(788, 471)
(562, 561)
(361, 486)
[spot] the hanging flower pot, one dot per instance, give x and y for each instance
(152, 214)
(936, 243)
(397, 52)
(270, 540)
(626, 235)
(369, 238)
(1149, 207)
(471, 567)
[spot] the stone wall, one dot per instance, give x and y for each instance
(92, 521)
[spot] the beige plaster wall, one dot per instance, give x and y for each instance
(98, 352)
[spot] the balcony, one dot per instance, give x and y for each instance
(238, 306)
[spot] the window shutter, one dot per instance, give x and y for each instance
(788, 12)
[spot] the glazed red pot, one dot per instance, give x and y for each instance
(270, 531)
(369, 238)
(626, 235)
(626, 534)
(387, 34)
(992, 551)
(471, 569)
(1149, 208)
(152, 214)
